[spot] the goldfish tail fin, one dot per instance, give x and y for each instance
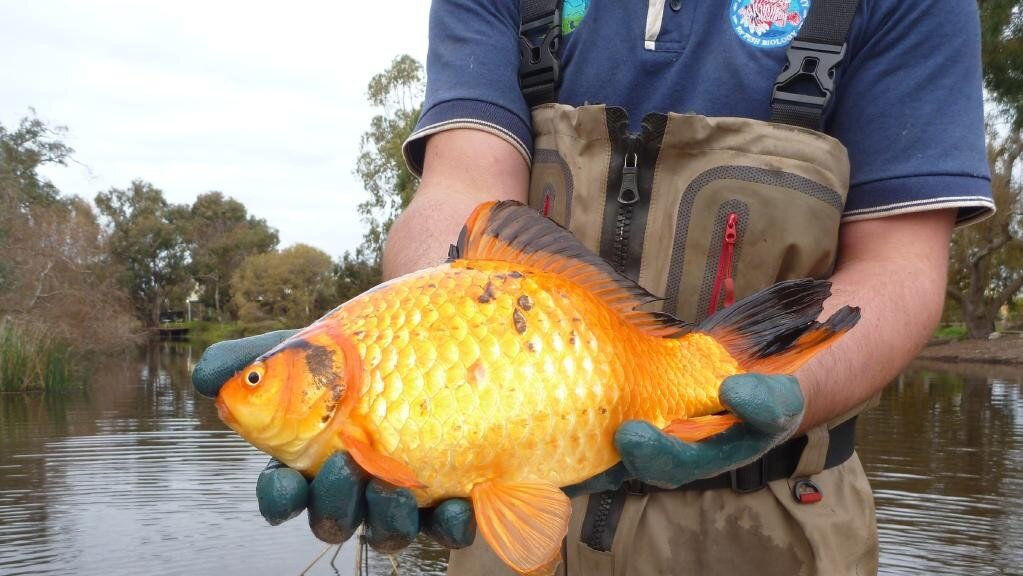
(511, 232)
(775, 331)
(523, 523)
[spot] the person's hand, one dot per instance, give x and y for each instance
(770, 407)
(342, 495)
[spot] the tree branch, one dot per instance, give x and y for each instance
(1010, 290)
(956, 295)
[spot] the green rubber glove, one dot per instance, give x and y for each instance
(342, 495)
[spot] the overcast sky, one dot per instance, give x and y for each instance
(264, 101)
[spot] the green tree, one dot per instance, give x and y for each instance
(1001, 30)
(147, 239)
(292, 287)
(399, 92)
(986, 267)
(55, 274)
(221, 235)
(354, 274)
(22, 152)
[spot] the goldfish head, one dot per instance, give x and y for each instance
(288, 396)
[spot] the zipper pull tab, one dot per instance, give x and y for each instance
(628, 193)
(731, 236)
(732, 228)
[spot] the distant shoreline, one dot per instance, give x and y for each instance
(1008, 349)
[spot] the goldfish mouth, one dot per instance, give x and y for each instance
(224, 412)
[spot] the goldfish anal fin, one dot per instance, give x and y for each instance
(523, 523)
(775, 331)
(509, 231)
(700, 427)
(379, 465)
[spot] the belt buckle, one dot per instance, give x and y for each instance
(749, 478)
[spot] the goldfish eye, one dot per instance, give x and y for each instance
(253, 377)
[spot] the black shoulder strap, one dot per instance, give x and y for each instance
(804, 87)
(538, 64)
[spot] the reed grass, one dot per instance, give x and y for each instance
(32, 360)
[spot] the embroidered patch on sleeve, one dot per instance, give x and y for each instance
(768, 23)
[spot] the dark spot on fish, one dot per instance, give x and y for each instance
(564, 295)
(571, 338)
(586, 411)
(500, 277)
(603, 410)
(326, 417)
(520, 321)
(515, 274)
(431, 285)
(424, 406)
(531, 347)
(576, 319)
(358, 333)
(525, 303)
(320, 363)
(488, 294)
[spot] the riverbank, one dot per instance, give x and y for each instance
(1008, 349)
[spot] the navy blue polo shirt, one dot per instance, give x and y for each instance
(908, 105)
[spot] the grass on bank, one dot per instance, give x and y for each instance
(205, 333)
(950, 332)
(31, 360)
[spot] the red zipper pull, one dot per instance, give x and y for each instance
(731, 236)
(724, 275)
(547, 203)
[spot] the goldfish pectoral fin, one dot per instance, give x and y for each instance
(380, 465)
(696, 429)
(523, 523)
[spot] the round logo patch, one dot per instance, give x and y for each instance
(768, 23)
(572, 12)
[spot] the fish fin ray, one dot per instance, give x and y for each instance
(509, 231)
(379, 465)
(700, 427)
(523, 523)
(775, 331)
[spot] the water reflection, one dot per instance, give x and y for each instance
(944, 452)
(137, 475)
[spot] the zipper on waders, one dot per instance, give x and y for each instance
(628, 196)
(724, 279)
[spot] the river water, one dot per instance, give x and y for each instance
(137, 475)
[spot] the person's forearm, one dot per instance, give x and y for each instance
(895, 270)
(462, 169)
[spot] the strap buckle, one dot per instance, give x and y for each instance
(749, 478)
(813, 60)
(539, 70)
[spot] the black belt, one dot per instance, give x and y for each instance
(604, 509)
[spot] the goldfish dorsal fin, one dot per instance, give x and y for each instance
(523, 523)
(380, 465)
(509, 231)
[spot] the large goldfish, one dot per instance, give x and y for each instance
(502, 375)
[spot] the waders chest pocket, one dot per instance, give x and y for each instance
(698, 210)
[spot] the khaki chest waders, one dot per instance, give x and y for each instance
(701, 211)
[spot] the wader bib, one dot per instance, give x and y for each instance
(703, 211)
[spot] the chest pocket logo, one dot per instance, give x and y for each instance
(768, 23)
(572, 12)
